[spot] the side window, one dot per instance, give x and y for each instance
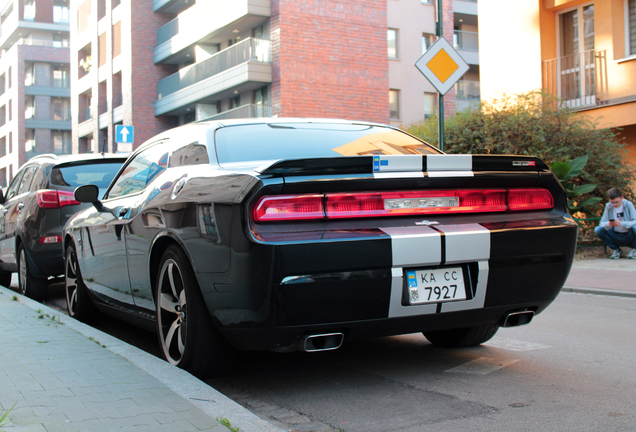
(27, 178)
(141, 171)
(190, 154)
(13, 187)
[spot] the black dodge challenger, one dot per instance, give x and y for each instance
(295, 234)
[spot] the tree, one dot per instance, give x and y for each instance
(538, 124)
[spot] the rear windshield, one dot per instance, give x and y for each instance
(311, 140)
(78, 174)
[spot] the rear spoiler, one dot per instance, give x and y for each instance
(403, 163)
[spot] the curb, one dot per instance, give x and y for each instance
(182, 383)
(599, 291)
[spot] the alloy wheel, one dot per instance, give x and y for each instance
(70, 278)
(22, 272)
(172, 312)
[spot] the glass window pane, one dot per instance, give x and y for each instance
(391, 36)
(632, 27)
(394, 104)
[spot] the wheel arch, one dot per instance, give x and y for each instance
(159, 245)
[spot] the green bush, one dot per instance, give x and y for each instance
(537, 124)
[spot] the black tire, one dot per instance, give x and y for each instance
(78, 303)
(187, 335)
(5, 278)
(461, 337)
(29, 285)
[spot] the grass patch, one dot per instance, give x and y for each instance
(225, 422)
(3, 418)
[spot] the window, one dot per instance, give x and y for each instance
(29, 107)
(62, 142)
(61, 109)
(61, 12)
(29, 10)
(577, 56)
(235, 102)
(61, 76)
(392, 41)
(76, 174)
(60, 41)
(13, 187)
(29, 140)
(427, 41)
(394, 104)
(430, 105)
(27, 178)
(630, 19)
(261, 102)
(140, 171)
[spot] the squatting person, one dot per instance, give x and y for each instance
(618, 224)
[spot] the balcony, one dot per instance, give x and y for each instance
(579, 80)
(468, 7)
(208, 21)
(242, 67)
(467, 43)
(12, 29)
(467, 94)
(245, 111)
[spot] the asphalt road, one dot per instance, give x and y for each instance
(572, 368)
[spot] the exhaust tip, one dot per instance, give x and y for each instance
(516, 319)
(321, 342)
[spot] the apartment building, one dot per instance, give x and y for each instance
(156, 65)
(411, 31)
(582, 51)
(34, 82)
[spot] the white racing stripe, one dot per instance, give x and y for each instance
(421, 247)
(482, 366)
(449, 163)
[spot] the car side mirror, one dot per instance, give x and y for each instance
(88, 194)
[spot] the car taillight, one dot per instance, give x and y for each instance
(53, 199)
(374, 204)
(529, 199)
(50, 239)
(413, 203)
(289, 207)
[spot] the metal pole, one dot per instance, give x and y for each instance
(440, 103)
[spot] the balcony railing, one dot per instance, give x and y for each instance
(168, 31)
(248, 50)
(466, 41)
(245, 111)
(580, 80)
(43, 42)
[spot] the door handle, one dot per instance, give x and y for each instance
(20, 206)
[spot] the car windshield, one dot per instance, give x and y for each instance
(312, 140)
(78, 174)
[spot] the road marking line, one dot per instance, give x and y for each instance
(514, 345)
(482, 366)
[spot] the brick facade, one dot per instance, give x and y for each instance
(448, 20)
(330, 59)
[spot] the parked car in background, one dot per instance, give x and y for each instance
(35, 208)
(285, 234)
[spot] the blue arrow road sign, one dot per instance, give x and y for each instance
(124, 134)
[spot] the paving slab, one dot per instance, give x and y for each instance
(61, 375)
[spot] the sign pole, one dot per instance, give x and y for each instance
(440, 102)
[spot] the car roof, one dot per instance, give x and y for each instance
(275, 120)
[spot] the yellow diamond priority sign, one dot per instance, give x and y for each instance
(442, 65)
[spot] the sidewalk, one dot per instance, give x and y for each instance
(65, 376)
(603, 276)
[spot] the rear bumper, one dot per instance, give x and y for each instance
(280, 292)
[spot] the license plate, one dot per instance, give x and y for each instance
(436, 285)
